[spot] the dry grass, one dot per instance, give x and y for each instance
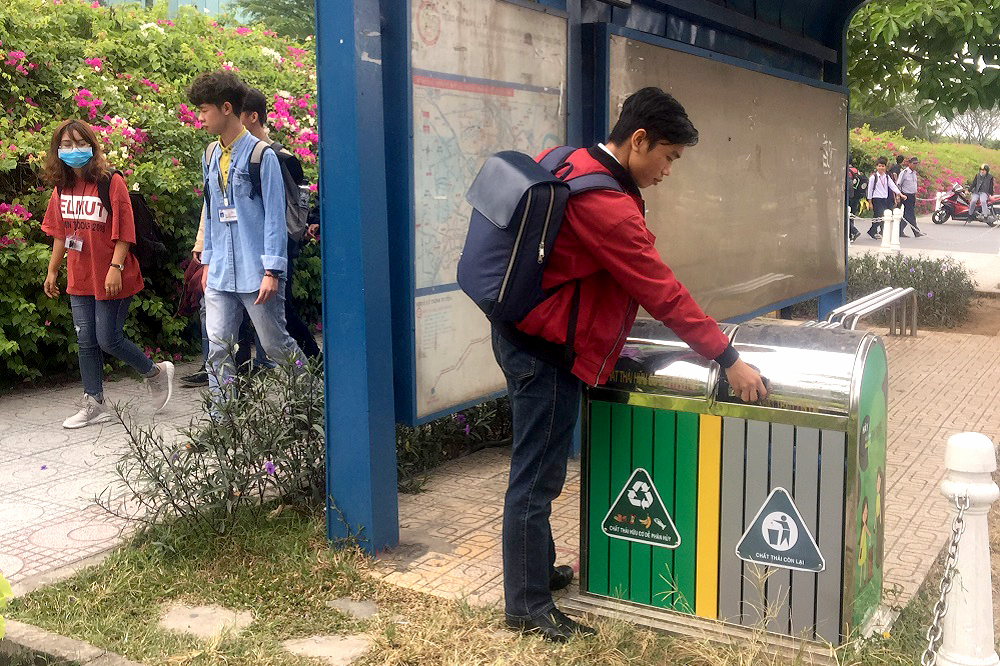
(283, 572)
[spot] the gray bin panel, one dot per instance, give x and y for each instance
(731, 519)
(806, 498)
(829, 583)
(754, 576)
(778, 590)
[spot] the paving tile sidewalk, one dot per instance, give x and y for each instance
(49, 476)
(940, 384)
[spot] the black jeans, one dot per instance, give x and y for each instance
(879, 208)
(296, 327)
(909, 213)
(545, 405)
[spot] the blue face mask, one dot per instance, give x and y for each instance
(76, 158)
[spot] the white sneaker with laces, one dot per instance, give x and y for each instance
(161, 387)
(91, 412)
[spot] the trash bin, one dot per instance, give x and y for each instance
(766, 514)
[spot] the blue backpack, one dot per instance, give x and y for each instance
(518, 207)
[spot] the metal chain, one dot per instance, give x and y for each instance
(935, 632)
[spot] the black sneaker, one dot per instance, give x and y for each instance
(199, 378)
(553, 626)
(561, 577)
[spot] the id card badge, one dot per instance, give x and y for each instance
(227, 215)
(74, 243)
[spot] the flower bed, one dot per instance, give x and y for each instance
(941, 164)
(125, 70)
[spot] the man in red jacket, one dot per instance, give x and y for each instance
(603, 266)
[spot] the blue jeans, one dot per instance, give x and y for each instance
(244, 338)
(224, 312)
(545, 405)
(99, 326)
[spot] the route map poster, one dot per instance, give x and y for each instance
(486, 76)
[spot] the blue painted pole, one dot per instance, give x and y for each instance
(832, 300)
(357, 324)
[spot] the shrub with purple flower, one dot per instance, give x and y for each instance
(946, 283)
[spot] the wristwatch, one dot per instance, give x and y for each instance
(272, 274)
(120, 267)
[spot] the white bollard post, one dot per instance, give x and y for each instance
(890, 230)
(968, 625)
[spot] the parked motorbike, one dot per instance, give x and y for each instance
(956, 205)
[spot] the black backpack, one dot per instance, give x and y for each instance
(517, 211)
(297, 194)
(149, 248)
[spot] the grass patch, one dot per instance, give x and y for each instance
(281, 570)
(15, 656)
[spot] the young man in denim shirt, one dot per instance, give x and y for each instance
(245, 250)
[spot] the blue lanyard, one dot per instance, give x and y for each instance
(226, 191)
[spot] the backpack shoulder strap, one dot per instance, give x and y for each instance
(256, 155)
(593, 181)
(210, 151)
(104, 190)
(556, 157)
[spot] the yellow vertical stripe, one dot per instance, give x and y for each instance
(709, 480)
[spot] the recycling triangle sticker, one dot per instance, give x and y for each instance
(639, 515)
(778, 537)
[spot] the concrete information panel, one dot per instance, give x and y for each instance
(486, 76)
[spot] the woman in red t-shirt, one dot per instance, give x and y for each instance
(102, 275)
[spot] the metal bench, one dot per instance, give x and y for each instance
(902, 304)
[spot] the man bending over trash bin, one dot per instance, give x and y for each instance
(603, 266)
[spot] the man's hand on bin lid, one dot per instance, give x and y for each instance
(745, 382)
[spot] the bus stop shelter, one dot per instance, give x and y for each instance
(415, 94)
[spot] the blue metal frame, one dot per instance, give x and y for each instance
(357, 322)
(720, 57)
(397, 85)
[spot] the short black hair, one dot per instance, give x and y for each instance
(657, 112)
(881, 160)
(899, 159)
(217, 88)
(255, 102)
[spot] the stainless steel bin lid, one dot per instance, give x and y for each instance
(807, 369)
(654, 360)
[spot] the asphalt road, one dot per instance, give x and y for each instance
(952, 236)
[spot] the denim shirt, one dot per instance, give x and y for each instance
(237, 254)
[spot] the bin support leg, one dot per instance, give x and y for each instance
(968, 626)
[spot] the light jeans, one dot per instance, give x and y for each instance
(224, 312)
(983, 199)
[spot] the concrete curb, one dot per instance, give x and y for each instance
(19, 635)
(32, 638)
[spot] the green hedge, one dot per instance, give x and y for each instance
(124, 70)
(944, 287)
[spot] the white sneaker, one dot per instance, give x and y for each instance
(161, 387)
(91, 412)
